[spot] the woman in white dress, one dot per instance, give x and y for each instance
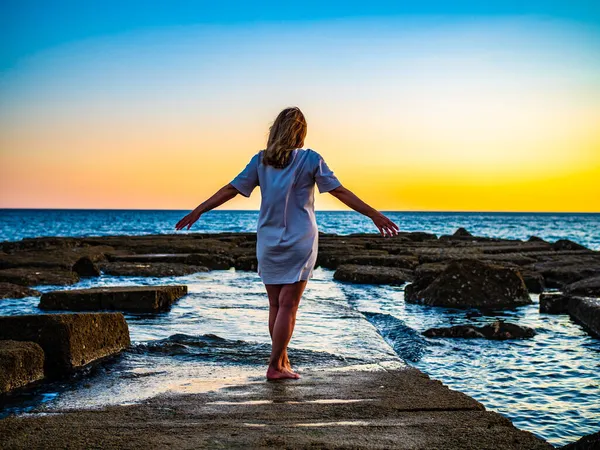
(287, 235)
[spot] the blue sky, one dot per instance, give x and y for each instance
(32, 26)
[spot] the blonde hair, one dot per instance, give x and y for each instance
(286, 134)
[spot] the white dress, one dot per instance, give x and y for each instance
(287, 235)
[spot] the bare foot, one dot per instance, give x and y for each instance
(283, 374)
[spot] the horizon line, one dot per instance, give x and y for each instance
(316, 211)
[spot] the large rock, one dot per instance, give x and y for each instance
(586, 311)
(69, 341)
(85, 267)
(566, 244)
(589, 442)
(588, 287)
(10, 290)
(470, 283)
(21, 363)
(353, 273)
(554, 303)
(122, 298)
(156, 269)
(498, 330)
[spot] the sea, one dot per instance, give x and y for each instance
(217, 335)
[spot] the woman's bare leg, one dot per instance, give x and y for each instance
(283, 328)
(273, 291)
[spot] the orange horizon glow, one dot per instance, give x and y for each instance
(475, 116)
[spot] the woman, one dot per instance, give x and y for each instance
(287, 235)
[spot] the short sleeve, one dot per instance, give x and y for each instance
(247, 179)
(324, 177)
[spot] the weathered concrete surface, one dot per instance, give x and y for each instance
(586, 311)
(470, 283)
(10, 290)
(121, 298)
(69, 341)
(554, 303)
(498, 330)
(354, 273)
(155, 269)
(21, 363)
(361, 409)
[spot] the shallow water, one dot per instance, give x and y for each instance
(217, 335)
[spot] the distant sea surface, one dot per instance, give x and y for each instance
(548, 385)
(16, 224)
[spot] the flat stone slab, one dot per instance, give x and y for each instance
(21, 363)
(69, 341)
(375, 409)
(149, 269)
(363, 274)
(586, 311)
(137, 299)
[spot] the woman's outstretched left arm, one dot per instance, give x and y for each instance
(223, 195)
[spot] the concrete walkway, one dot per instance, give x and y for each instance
(375, 407)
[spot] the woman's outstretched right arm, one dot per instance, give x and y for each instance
(386, 226)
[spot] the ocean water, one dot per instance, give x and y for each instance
(218, 333)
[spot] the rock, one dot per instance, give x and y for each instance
(69, 341)
(586, 311)
(332, 259)
(246, 263)
(158, 269)
(470, 283)
(566, 244)
(554, 303)
(353, 273)
(85, 267)
(462, 232)
(150, 258)
(559, 274)
(402, 262)
(535, 239)
(212, 261)
(10, 290)
(122, 298)
(588, 287)
(589, 442)
(498, 330)
(21, 363)
(32, 276)
(534, 281)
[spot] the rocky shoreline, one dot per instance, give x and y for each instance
(454, 271)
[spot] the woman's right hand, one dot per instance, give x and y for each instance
(386, 227)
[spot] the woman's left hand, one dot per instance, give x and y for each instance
(188, 220)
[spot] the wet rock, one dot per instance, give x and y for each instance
(470, 283)
(21, 363)
(137, 299)
(85, 267)
(566, 244)
(402, 262)
(589, 442)
(212, 261)
(354, 273)
(32, 276)
(249, 263)
(69, 341)
(332, 259)
(559, 274)
(133, 269)
(498, 330)
(10, 290)
(588, 287)
(149, 258)
(554, 303)
(462, 232)
(535, 239)
(534, 281)
(586, 311)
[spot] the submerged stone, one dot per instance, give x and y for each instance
(498, 330)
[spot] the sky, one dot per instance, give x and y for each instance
(421, 106)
